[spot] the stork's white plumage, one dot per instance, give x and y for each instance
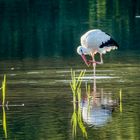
(95, 41)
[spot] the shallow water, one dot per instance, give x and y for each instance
(40, 99)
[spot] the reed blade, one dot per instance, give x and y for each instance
(3, 90)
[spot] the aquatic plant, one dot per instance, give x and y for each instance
(76, 119)
(3, 90)
(76, 81)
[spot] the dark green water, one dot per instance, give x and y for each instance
(38, 40)
(43, 87)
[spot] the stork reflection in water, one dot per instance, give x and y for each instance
(97, 110)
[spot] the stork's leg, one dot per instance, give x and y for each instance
(96, 62)
(93, 59)
(101, 58)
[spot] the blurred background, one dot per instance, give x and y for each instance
(40, 28)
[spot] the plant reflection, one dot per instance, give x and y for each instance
(120, 100)
(4, 122)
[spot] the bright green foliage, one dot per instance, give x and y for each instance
(3, 90)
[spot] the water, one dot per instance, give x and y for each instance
(38, 42)
(43, 87)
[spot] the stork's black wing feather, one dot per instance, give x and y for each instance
(108, 43)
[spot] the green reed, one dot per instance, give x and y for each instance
(76, 119)
(3, 90)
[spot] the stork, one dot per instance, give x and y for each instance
(93, 42)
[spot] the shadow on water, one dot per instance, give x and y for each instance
(93, 107)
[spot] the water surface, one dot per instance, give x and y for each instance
(43, 87)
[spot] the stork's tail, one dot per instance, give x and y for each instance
(108, 46)
(109, 43)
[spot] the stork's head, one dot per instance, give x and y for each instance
(83, 51)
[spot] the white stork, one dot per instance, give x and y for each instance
(95, 41)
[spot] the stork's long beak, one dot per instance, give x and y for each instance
(85, 60)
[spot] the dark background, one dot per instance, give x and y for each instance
(42, 28)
